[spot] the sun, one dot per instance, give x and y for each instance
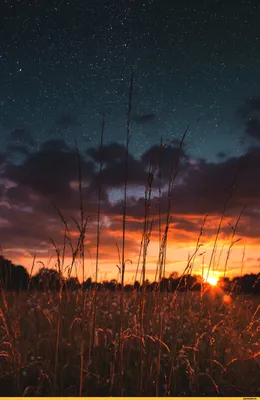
(212, 278)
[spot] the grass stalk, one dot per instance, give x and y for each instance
(128, 137)
(94, 310)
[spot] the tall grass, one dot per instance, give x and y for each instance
(94, 312)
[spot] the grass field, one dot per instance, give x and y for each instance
(189, 345)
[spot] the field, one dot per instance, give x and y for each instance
(179, 345)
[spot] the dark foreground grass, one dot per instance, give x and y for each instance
(207, 346)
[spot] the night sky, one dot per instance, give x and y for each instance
(65, 63)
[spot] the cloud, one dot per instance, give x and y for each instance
(2, 158)
(50, 175)
(64, 123)
(249, 106)
(50, 170)
(166, 157)
(252, 128)
(113, 152)
(113, 173)
(18, 149)
(222, 154)
(21, 136)
(54, 145)
(144, 119)
(19, 195)
(25, 230)
(250, 113)
(203, 188)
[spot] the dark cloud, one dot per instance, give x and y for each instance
(204, 188)
(182, 223)
(250, 113)
(252, 128)
(113, 152)
(19, 195)
(249, 106)
(221, 154)
(54, 145)
(166, 157)
(18, 149)
(45, 176)
(50, 170)
(28, 230)
(144, 119)
(93, 189)
(65, 123)
(113, 175)
(22, 136)
(2, 158)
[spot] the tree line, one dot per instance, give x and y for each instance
(16, 278)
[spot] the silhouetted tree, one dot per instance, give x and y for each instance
(72, 284)
(136, 285)
(128, 288)
(249, 283)
(88, 284)
(13, 277)
(164, 285)
(47, 279)
(226, 284)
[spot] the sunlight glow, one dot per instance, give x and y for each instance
(212, 279)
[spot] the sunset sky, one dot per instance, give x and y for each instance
(65, 63)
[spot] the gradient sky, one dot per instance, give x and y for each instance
(65, 63)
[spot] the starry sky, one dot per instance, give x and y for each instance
(65, 63)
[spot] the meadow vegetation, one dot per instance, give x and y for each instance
(199, 344)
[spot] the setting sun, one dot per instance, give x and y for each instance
(212, 279)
